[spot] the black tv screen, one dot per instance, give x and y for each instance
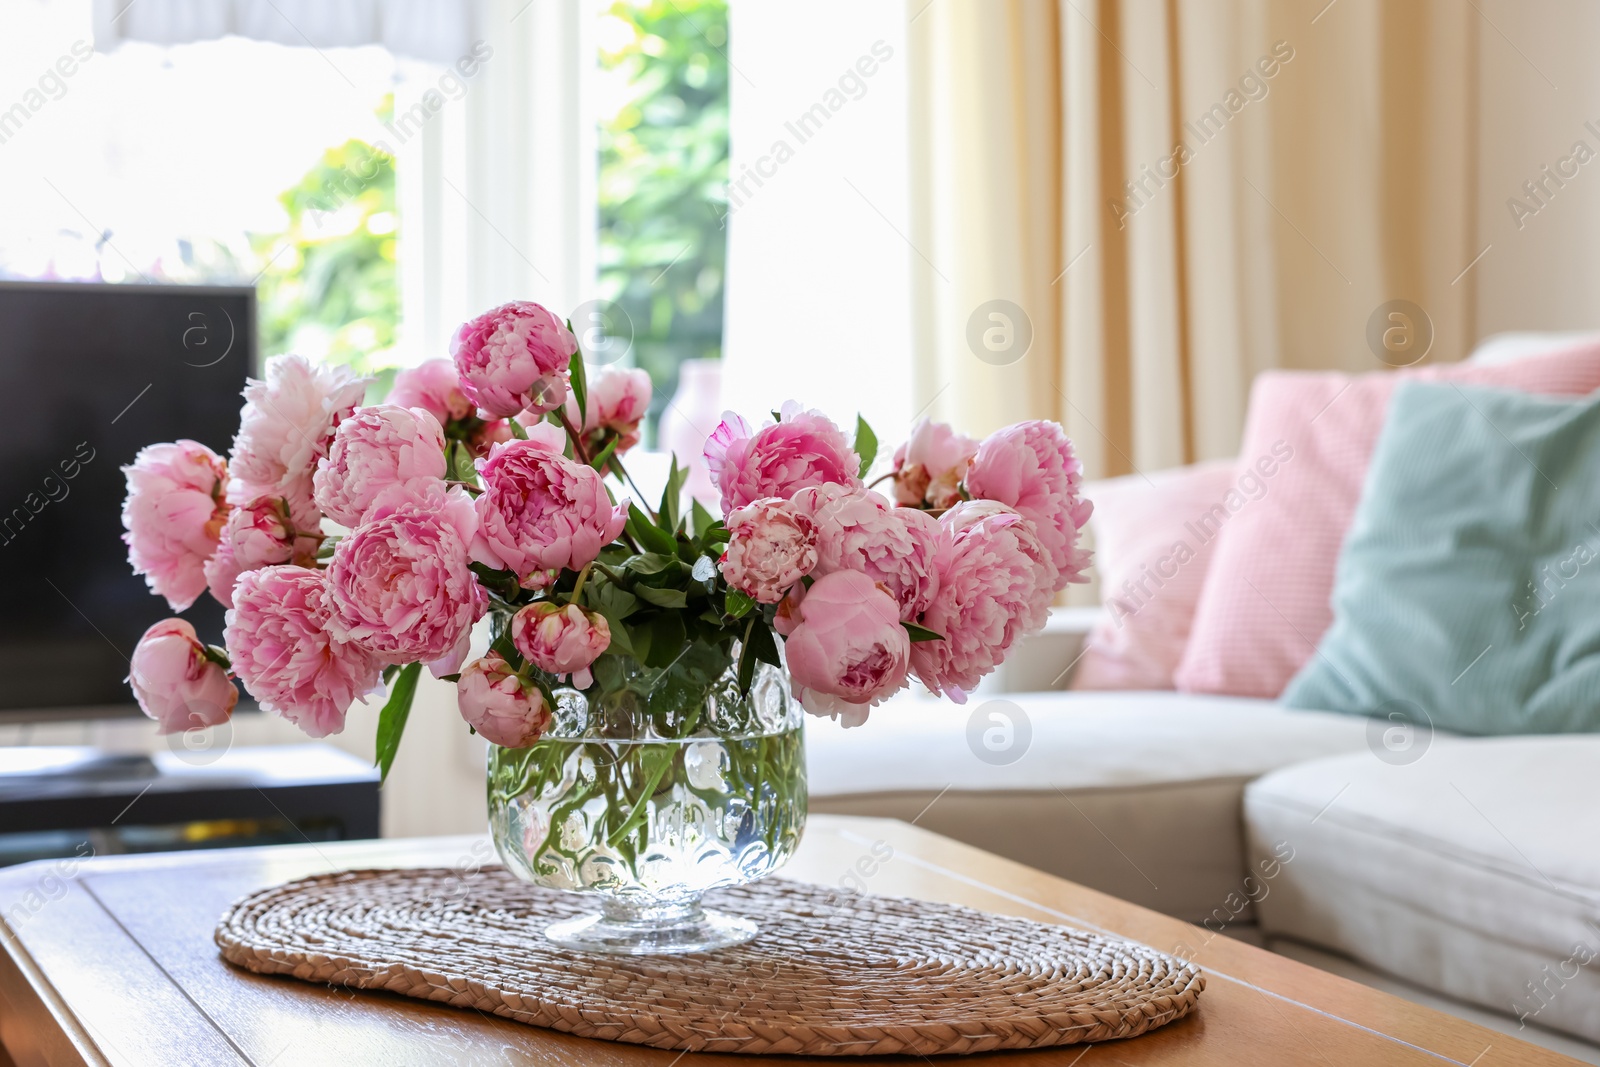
(89, 374)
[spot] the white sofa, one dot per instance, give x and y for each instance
(1472, 872)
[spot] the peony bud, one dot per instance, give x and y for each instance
(560, 639)
(503, 708)
(176, 682)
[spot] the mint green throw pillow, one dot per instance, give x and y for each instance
(1468, 586)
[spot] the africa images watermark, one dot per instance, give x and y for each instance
(338, 191)
(1253, 85)
(851, 85)
(53, 489)
(1252, 485)
(51, 85)
(1541, 189)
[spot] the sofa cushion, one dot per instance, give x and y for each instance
(1152, 543)
(1470, 867)
(1265, 601)
(1466, 563)
(1135, 794)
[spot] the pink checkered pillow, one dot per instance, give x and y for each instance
(1265, 606)
(1152, 545)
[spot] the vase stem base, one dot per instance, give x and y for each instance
(651, 930)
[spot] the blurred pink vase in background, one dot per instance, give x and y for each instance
(690, 416)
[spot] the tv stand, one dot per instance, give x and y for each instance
(55, 798)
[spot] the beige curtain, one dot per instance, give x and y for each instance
(1176, 196)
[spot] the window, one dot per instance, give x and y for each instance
(663, 106)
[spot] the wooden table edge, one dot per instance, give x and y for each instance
(19, 971)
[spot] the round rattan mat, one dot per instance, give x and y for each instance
(831, 974)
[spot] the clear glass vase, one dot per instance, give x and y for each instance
(649, 789)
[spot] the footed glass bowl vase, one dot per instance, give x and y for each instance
(649, 789)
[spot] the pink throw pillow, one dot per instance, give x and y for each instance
(1265, 604)
(1153, 538)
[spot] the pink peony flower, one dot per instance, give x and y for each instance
(400, 586)
(284, 650)
(375, 448)
(771, 545)
(849, 651)
(222, 571)
(513, 357)
(995, 586)
(503, 708)
(929, 466)
(802, 449)
(617, 402)
(541, 511)
(267, 531)
(561, 639)
(286, 425)
(787, 617)
(858, 530)
(434, 386)
(174, 513)
(176, 683)
(1031, 467)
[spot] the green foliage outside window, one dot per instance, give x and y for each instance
(663, 179)
(330, 289)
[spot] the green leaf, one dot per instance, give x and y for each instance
(392, 719)
(639, 637)
(747, 655)
(739, 604)
(921, 633)
(620, 640)
(329, 543)
(662, 598)
(649, 536)
(649, 563)
(701, 518)
(459, 460)
(517, 429)
(671, 496)
(766, 648)
(602, 457)
(580, 383)
(616, 603)
(667, 638)
(504, 584)
(866, 444)
(389, 672)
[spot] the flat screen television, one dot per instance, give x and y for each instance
(89, 374)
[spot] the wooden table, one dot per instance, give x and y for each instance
(114, 964)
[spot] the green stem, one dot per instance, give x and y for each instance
(577, 589)
(574, 436)
(642, 806)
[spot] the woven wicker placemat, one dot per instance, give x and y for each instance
(831, 974)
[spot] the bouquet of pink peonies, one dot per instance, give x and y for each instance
(354, 545)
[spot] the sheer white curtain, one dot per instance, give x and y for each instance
(418, 29)
(818, 297)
